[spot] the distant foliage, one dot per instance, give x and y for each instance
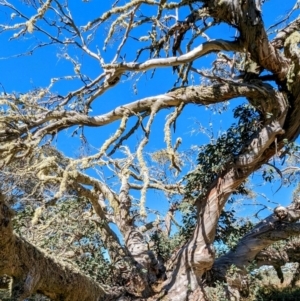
(67, 230)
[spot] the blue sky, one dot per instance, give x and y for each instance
(24, 73)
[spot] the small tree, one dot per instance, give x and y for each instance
(93, 207)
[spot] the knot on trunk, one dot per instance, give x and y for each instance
(288, 214)
(202, 258)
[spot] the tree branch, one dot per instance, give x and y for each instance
(36, 272)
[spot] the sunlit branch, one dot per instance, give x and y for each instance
(70, 22)
(168, 188)
(189, 95)
(201, 50)
(168, 137)
(129, 26)
(284, 33)
(53, 121)
(117, 10)
(81, 90)
(140, 157)
(129, 134)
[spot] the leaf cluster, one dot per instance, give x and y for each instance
(163, 245)
(230, 229)
(66, 230)
(215, 157)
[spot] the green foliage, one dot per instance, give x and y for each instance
(287, 294)
(268, 175)
(66, 230)
(189, 220)
(291, 147)
(164, 246)
(229, 230)
(96, 266)
(218, 292)
(216, 157)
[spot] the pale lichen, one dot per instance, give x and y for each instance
(142, 162)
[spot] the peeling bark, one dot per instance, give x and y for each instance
(263, 235)
(197, 256)
(246, 17)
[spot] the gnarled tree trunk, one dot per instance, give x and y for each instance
(197, 256)
(33, 271)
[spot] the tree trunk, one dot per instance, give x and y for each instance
(33, 271)
(198, 255)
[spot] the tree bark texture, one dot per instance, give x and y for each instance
(33, 271)
(198, 255)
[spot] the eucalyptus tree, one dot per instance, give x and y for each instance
(96, 202)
